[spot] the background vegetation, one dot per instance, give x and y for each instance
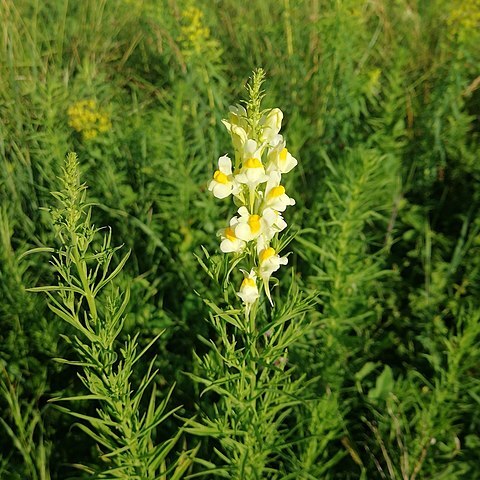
(381, 102)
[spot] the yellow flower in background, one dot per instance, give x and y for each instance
(88, 119)
(195, 38)
(464, 18)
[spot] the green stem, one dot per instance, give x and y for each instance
(252, 200)
(82, 272)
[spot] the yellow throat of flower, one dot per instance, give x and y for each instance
(220, 177)
(283, 154)
(276, 191)
(254, 223)
(266, 254)
(248, 282)
(230, 234)
(252, 163)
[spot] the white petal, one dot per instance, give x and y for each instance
(243, 211)
(289, 163)
(250, 148)
(262, 243)
(221, 190)
(280, 223)
(240, 133)
(230, 246)
(269, 216)
(272, 124)
(274, 180)
(277, 141)
(225, 165)
(226, 246)
(243, 232)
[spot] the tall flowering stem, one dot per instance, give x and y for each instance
(256, 392)
(254, 179)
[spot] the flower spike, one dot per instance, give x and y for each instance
(261, 158)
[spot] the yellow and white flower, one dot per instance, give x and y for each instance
(269, 262)
(252, 172)
(275, 196)
(271, 124)
(280, 159)
(248, 289)
(272, 223)
(230, 242)
(248, 227)
(224, 183)
(239, 129)
(237, 115)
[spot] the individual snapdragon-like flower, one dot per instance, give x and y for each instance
(237, 115)
(223, 183)
(280, 159)
(280, 362)
(248, 226)
(252, 172)
(273, 222)
(269, 262)
(271, 123)
(275, 196)
(248, 289)
(239, 137)
(230, 242)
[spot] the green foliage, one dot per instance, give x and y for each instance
(25, 430)
(123, 428)
(250, 395)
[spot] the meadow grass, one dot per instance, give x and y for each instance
(367, 364)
